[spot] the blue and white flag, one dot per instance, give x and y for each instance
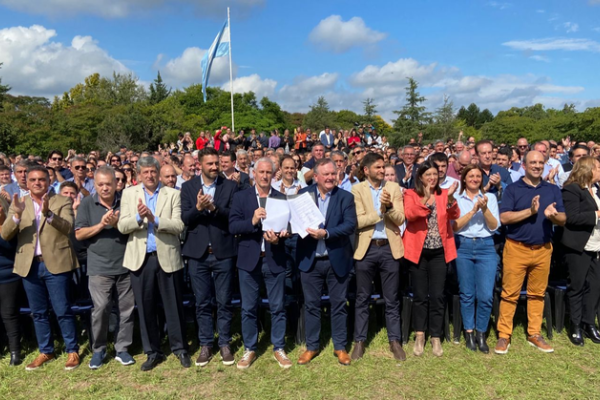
(219, 48)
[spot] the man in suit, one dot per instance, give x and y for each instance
(45, 259)
(151, 216)
(407, 171)
(227, 163)
(19, 187)
(210, 250)
(325, 256)
(261, 259)
(380, 212)
(327, 139)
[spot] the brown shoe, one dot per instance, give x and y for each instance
(282, 359)
(342, 356)
(72, 361)
(539, 342)
(358, 351)
(307, 356)
(247, 360)
(419, 344)
(39, 361)
(397, 350)
(502, 346)
(436, 346)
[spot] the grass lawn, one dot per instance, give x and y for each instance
(524, 373)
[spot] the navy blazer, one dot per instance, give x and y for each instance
(340, 222)
(250, 236)
(580, 208)
(205, 227)
(401, 173)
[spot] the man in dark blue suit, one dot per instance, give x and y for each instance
(325, 256)
(261, 260)
(210, 249)
(407, 171)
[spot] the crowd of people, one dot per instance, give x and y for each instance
(134, 228)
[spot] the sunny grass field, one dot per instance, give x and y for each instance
(525, 373)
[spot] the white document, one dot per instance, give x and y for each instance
(278, 215)
(305, 214)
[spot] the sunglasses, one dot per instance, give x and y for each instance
(91, 169)
(56, 158)
(357, 152)
(79, 167)
(120, 179)
(126, 169)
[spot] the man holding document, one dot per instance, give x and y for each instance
(261, 260)
(325, 255)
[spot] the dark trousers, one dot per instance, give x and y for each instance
(428, 280)
(9, 310)
(250, 283)
(584, 286)
(144, 282)
(377, 259)
(291, 269)
(203, 272)
(313, 281)
(40, 286)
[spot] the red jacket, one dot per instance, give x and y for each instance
(416, 224)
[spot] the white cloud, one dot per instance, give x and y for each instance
(554, 44)
(571, 27)
(540, 11)
(594, 2)
(35, 65)
(538, 57)
(185, 70)
(596, 29)
(123, 8)
(305, 91)
(501, 6)
(253, 83)
(333, 34)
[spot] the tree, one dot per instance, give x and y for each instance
(158, 90)
(319, 116)
(484, 116)
(444, 119)
(413, 117)
(3, 90)
(370, 110)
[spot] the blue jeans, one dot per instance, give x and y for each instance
(250, 290)
(476, 266)
(41, 285)
(203, 272)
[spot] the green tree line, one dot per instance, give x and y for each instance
(105, 112)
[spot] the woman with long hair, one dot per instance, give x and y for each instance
(581, 240)
(477, 260)
(429, 246)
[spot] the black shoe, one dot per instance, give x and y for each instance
(185, 360)
(590, 331)
(15, 358)
(152, 361)
(470, 339)
(576, 335)
(482, 342)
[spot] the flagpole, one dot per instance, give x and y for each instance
(230, 74)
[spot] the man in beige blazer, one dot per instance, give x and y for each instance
(45, 258)
(380, 212)
(151, 216)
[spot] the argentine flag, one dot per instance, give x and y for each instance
(219, 48)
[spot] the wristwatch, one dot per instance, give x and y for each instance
(49, 214)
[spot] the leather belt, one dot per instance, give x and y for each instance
(322, 258)
(210, 250)
(39, 259)
(380, 242)
(262, 254)
(151, 253)
(529, 246)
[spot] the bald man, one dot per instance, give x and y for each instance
(168, 176)
(455, 168)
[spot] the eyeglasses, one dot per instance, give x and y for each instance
(120, 179)
(523, 146)
(79, 167)
(56, 158)
(357, 152)
(91, 169)
(115, 159)
(126, 169)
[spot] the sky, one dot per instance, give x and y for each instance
(493, 53)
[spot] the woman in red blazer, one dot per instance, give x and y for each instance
(429, 245)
